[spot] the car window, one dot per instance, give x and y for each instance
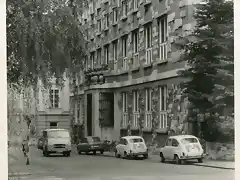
(94, 139)
(175, 143)
(58, 134)
(136, 140)
(169, 142)
(84, 140)
(45, 134)
(121, 141)
(125, 142)
(189, 140)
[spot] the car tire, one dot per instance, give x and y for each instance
(68, 154)
(117, 155)
(177, 160)
(125, 156)
(79, 152)
(162, 157)
(101, 152)
(200, 160)
(94, 153)
(145, 156)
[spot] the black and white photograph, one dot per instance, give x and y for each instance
(120, 89)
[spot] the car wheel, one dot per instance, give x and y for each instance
(101, 152)
(68, 154)
(125, 155)
(117, 155)
(177, 160)
(162, 157)
(94, 153)
(200, 160)
(79, 152)
(145, 156)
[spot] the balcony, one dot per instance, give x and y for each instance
(135, 120)
(148, 120)
(163, 51)
(148, 55)
(124, 120)
(135, 60)
(125, 63)
(162, 120)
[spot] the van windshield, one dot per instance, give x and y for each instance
(58, 134)
(136, 140)
(189, 140)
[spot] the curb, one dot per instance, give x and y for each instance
(19, 174)
(212, 166)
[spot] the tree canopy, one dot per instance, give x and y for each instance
(210, 89)
(44, 38)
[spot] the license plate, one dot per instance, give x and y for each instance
(59, 150)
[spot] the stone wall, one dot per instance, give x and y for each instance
(220, 151)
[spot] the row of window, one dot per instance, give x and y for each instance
(148, 100)
(96, 57)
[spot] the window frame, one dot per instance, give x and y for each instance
(106, 54)
(163, 98)
(148, 35)
(115, 50)
(135, 101)
(92, 58)
(148, 100)
(124, 46)
(99, 25)
(125, 101)
(135, 40)
(53, 98)
(99, 56)
(162, 37)
(124, 8)
(115, 15)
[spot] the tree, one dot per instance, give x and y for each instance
(210, 71)
(43, 39)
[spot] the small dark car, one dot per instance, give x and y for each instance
(90, 144)
(40, 143)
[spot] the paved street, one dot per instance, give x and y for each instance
(89, 167)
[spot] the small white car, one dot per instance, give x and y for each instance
(181, 148)
(131, 146)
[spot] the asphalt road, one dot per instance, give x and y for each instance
(89, 167)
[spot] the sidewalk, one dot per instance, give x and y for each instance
(17, 164)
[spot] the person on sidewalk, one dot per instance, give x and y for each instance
(25, 149)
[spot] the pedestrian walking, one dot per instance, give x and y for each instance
(25, 149)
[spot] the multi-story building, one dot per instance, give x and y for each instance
(131, 71)
(53, 106)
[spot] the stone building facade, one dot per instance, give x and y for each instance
(131, 80)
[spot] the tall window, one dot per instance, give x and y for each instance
(54, 98)
(124, 8)
(92, 59)
(106, 20)
(124, 46)
(99, 56)
(148, 35)
(162, 29)
(115, 15)
(135, 4)
(135, 38)
(135, 101)
(115, 44)
(99, 25)
(86, 62)
(98, 11)
(106, 54)
(148, 100)
(124, 98)
(163, 98)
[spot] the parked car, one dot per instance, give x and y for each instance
(40, 143)
(56, 141)
(181, 148)
(90, 144)
(131, 146)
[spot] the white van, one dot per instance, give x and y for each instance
(56, 141)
